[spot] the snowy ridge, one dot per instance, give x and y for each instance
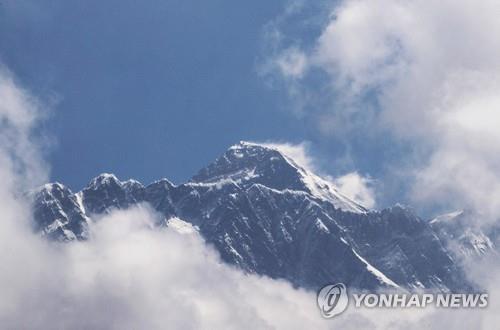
(380, 276)
(326, 191)
(102, 179)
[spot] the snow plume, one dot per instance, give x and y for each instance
(357, 188)
(299, 153)
(426, 72)
(353, 185)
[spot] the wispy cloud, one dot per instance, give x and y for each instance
(20, 148)
(357, 187)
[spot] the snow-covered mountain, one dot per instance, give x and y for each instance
(465, 235)
(267, 215)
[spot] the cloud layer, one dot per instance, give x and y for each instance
(132, 276)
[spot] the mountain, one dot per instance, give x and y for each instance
(268, 215)
(465, 234)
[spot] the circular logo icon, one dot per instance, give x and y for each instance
(332, 300)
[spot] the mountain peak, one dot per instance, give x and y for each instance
(256, 145)
(464, 232)
(103, 179)
(243, 143)
(249, 147)
(50, 190)
(253, 149)
(248, 163)
(49, 187)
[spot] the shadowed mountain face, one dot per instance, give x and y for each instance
(267, 215)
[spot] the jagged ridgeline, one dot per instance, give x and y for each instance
(267, 215)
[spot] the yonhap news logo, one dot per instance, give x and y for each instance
(333, 299)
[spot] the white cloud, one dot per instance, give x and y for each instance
(292, 62)
(429, 73)
(297, 152)
(131, 276)
(19, 115)
(357, 187)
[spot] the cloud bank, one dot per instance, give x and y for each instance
(132, 276)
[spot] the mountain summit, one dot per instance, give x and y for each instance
(268, 215)
(250, 163)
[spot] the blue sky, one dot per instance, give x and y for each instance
(387, 90)
(149, 91)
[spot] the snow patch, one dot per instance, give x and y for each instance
(376, 272)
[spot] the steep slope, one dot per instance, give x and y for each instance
(59, 213)
(268, 215)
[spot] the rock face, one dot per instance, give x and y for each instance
(267, 215)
